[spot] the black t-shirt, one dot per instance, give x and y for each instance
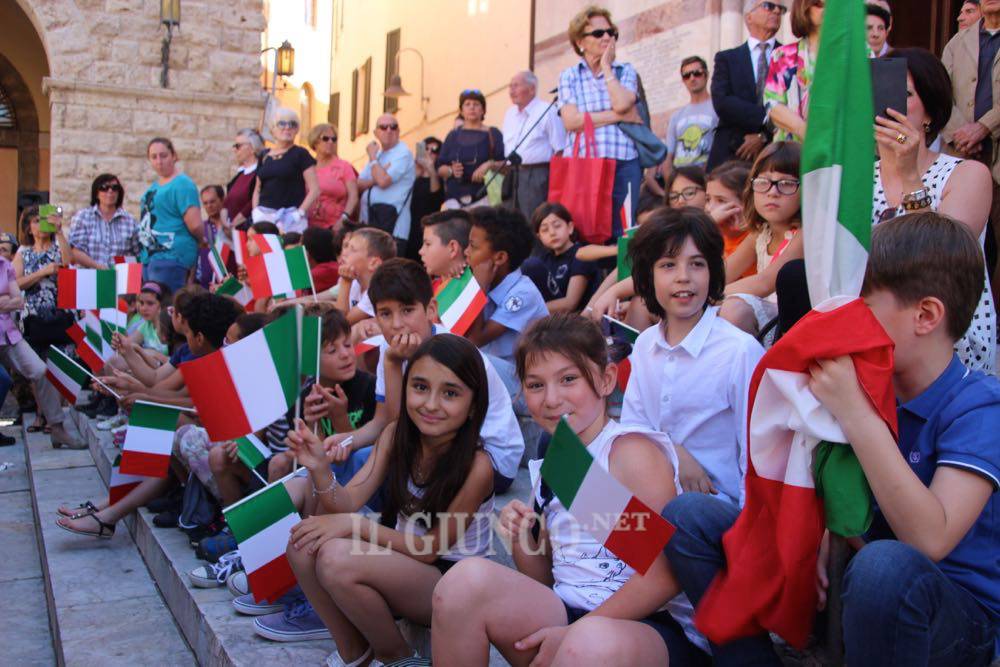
(360, 392)
(551, 273)
(281, 181)
(472, 148)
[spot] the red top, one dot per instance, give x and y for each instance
(325, 275)
(239, 198)
(333, 179)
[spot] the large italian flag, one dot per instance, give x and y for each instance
(261, 523)
(601, 504)
(67, 376)
(149, 439)
(837, 163)
(459, 301)
(279, 272)
(247, 385)
(80, 289)
(769, 581)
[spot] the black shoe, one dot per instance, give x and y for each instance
(88, 405)
(108, 407)
(166, 519)
(7, 441)
(169, 501)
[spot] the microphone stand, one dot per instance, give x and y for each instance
(513, 159)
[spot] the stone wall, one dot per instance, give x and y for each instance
(105, 96)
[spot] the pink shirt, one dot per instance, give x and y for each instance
(9, 333)
(333, 179)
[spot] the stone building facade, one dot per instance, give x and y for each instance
(101, 99)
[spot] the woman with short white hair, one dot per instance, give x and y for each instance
(238, 203)
(286, 178)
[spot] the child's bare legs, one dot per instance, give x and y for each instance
(147, 490)
(300, 490)
(740, 314)
(278, 466)
(229, 475)
(608, 641)
(478, 603)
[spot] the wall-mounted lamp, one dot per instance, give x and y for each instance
(396, 90)
(284, 62)
(170, 16)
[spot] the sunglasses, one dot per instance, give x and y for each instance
(239, 145)
(686, 194)
(692, 74)
(601, 32)
(472, 91)
(433, 149)
(287, 124)
(326, 138)
(109, 187)
(773, 7)
(785, 186)
(386, 128)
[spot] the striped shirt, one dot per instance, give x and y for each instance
(579, 86)
(102, 240)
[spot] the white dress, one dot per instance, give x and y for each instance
(765, 308)
(977, 347)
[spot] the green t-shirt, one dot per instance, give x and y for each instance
(161, 227)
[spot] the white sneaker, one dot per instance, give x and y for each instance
(111, 422)
(334, 660)
(213, 576)
(237, 583)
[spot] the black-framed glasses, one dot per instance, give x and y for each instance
(287, 124)
(601, 32)
(687, 194)
(327, 138)
(785, 186)
(692, 74)
(386, 128)
(110, 187)
(773, 7)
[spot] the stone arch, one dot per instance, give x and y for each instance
(24, 135)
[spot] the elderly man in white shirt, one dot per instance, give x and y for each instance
(535, 144)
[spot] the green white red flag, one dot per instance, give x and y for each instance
(281, 272)
(310, 328)
(602, 505)
(65, 374)
(85, 289)
(245, 386)
(119, 485)
(128, 278)
(149, 439)
(368, 344)
(459, 301)
(217, 257)
(252, 451)
(261, 524)
(234, 288)
(837, 165)
(85, 349)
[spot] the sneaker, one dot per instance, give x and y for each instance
(212, 548)
(111, 422)
(245, 604)
(299, 622)
(213, 576)
(237, 583)
(334, 660)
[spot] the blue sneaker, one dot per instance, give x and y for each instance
(245, 604)
(299, 622)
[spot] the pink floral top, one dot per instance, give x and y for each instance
(788, 81)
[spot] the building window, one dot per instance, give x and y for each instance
(361, 91)
(391, 104)
(7, 118)
(333, 111)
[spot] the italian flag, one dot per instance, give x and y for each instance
(217, 262)
(267, 242)
(626, 211)
(621, 330)
(279, 272)
(120, 484)
(261, 523)
(128, 278)
(769, 582)
(85, 349)
(368, 344)
(460, 300)
(624, 264)
(112, 321)
(837, 165)
(67, 376)
(125, 259)
(234, 288)
(601, 504)
(251, 451)
(245, 386)
(310, 328)
(240, 247)
(80, 289)
(149, 439)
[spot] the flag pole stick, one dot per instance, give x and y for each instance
(257, 475)
(298, 374)
(90, 375)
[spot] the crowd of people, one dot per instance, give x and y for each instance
(408, 444)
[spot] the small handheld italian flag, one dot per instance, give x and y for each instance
(149, 439)
(120, 484)
(65, 374)
(626, 212)
(128, 278)
(601, 504)
(460, 300)
(245, 386)
(234, 288)
(218, 254)
(368, 344)
(251, 451)
(85, 289)
(261, 524)
(310, 329)
(89, 351)
(279, 272)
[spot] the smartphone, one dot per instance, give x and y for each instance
(421, 150)
(45, 211)
(888, 85)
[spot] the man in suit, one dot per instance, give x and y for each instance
(738, 85)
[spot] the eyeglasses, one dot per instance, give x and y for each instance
(387, 128)
(326, 138)
(773, 7)
(785, 186)
(238, 145)
(472, 91)
(686, 194)
(692, 74)
(287, 124)
(601, 32)
(109, 187)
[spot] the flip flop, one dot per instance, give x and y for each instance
(105, 531)
(38, 425)
(81, 510)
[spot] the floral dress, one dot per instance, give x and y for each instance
(40, 298)
(788, 81)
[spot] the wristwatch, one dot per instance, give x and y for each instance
(916, 200)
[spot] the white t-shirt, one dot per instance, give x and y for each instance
(360, 299)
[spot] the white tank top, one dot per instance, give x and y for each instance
(584, 571)
(476, 539)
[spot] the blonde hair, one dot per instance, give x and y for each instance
(317, 132)
(578, 24)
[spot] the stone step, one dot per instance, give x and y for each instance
(216, 633)
(104, 608)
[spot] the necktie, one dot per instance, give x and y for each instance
(762, 66)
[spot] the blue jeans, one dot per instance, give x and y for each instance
(900, 609)
(627, 172)
(346, 471)
(696, 556)
(168, 272)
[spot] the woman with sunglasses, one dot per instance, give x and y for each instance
(286, 178)
(608, 91)
(238, 202)
(469, 152)
(786, 91)
(102, 231)
(338, 183)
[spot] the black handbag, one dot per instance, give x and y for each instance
(383, 216)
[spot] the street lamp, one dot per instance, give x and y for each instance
(170, 16)
(396, 90)
(284, 62)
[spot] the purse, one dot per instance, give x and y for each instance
(584, 186)
(652, 151)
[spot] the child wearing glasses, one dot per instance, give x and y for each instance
(773, 214)
(686, 187)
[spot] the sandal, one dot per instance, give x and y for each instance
(38, 425)
(81, 510)
(105, 531)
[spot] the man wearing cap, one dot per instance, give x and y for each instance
(738, 85)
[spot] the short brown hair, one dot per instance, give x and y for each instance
(577, 338)
(380, 244)
(781, 156)
(317, 131)
(578, 24)
(733, 174)
(801, 25)
(928, 254)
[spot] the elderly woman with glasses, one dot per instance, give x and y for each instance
(469, 152)
(238, 201)
(338, 183)
(286, 178)
(96, 235)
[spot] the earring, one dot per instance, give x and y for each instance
(927, 127)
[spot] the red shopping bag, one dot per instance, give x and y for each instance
(584, 185)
